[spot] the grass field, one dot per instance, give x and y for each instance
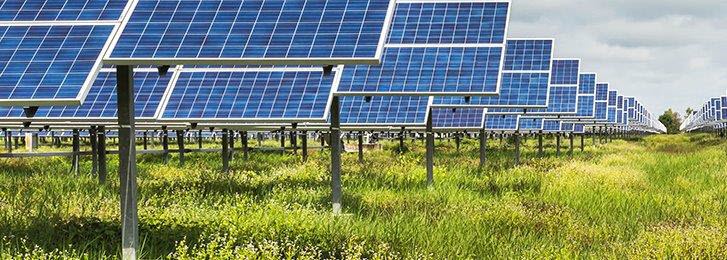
(660, 197)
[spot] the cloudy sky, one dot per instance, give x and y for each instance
(667, 53)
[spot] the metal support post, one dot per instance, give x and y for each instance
(127, 162)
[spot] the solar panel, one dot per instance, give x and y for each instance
(602, 92)
(250, 95)
(612, 98)
(437, 48)
(167, 32)
(601, 111)
(567, 127)
(551, 125)
(100, 102)
(579, 128)
(587, 84)
(518, 88)
(501, 122)
(562, 97)
(61, 10)
(460, 118)
(586, 106)
(50, 50)
(530, 124)
(384, 110)
(427, 70)
(565, 72)
(611, 115)
(463, 22)
(528, 55)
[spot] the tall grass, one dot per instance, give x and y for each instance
(661, 197)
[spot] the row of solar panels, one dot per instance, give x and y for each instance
(400, 58)
(711, 115)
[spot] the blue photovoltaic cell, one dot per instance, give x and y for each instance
(585, 106)
(531, 124)
(238, 95)
(565, 72)
(567, 127)
(457, 118)
(612, 98)
(501, 122)
(620, 102)
(579, 128)
(384, 110)
(531, 55)
(61, 10)
(194, 29)
(48, 62)
(562, 101)
(551, 125)
(587, 84)
(611, 115)
(602, 92)
(601, 112)
(449, 23)
(472, 69)
(516, 90)
(100, 102)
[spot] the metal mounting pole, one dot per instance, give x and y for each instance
(199, 139)
(294, 138)
(102, 169)
(282, 139)
(145, 140)
(337, 193)
(76, 150)
(304, 143)
(401, 141)
(540, 143)
(127, 162)
(225, 152)
(180, 145)
(360, 147)
(557, 144)
(232, 145)
(457, 141)
(570, 151)
(517, 148)
(430, 149)
(583, 142)
(94, 150)
(165, 145)
(483, 148)
(243, 139)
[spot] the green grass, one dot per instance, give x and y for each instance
(660, 197)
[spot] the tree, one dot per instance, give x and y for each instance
(671, 120)
(689, 111)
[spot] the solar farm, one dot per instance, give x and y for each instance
(347, 129)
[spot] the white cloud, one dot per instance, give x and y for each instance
(667, 53)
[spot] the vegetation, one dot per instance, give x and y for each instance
(672, 121)
(660, 197)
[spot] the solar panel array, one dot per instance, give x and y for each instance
(167, 32)
(400, 54)
(244, 95)
(50, 51)
(525, 78)
(436, 48)
(711, 117)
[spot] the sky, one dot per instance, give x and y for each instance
(666, 53)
